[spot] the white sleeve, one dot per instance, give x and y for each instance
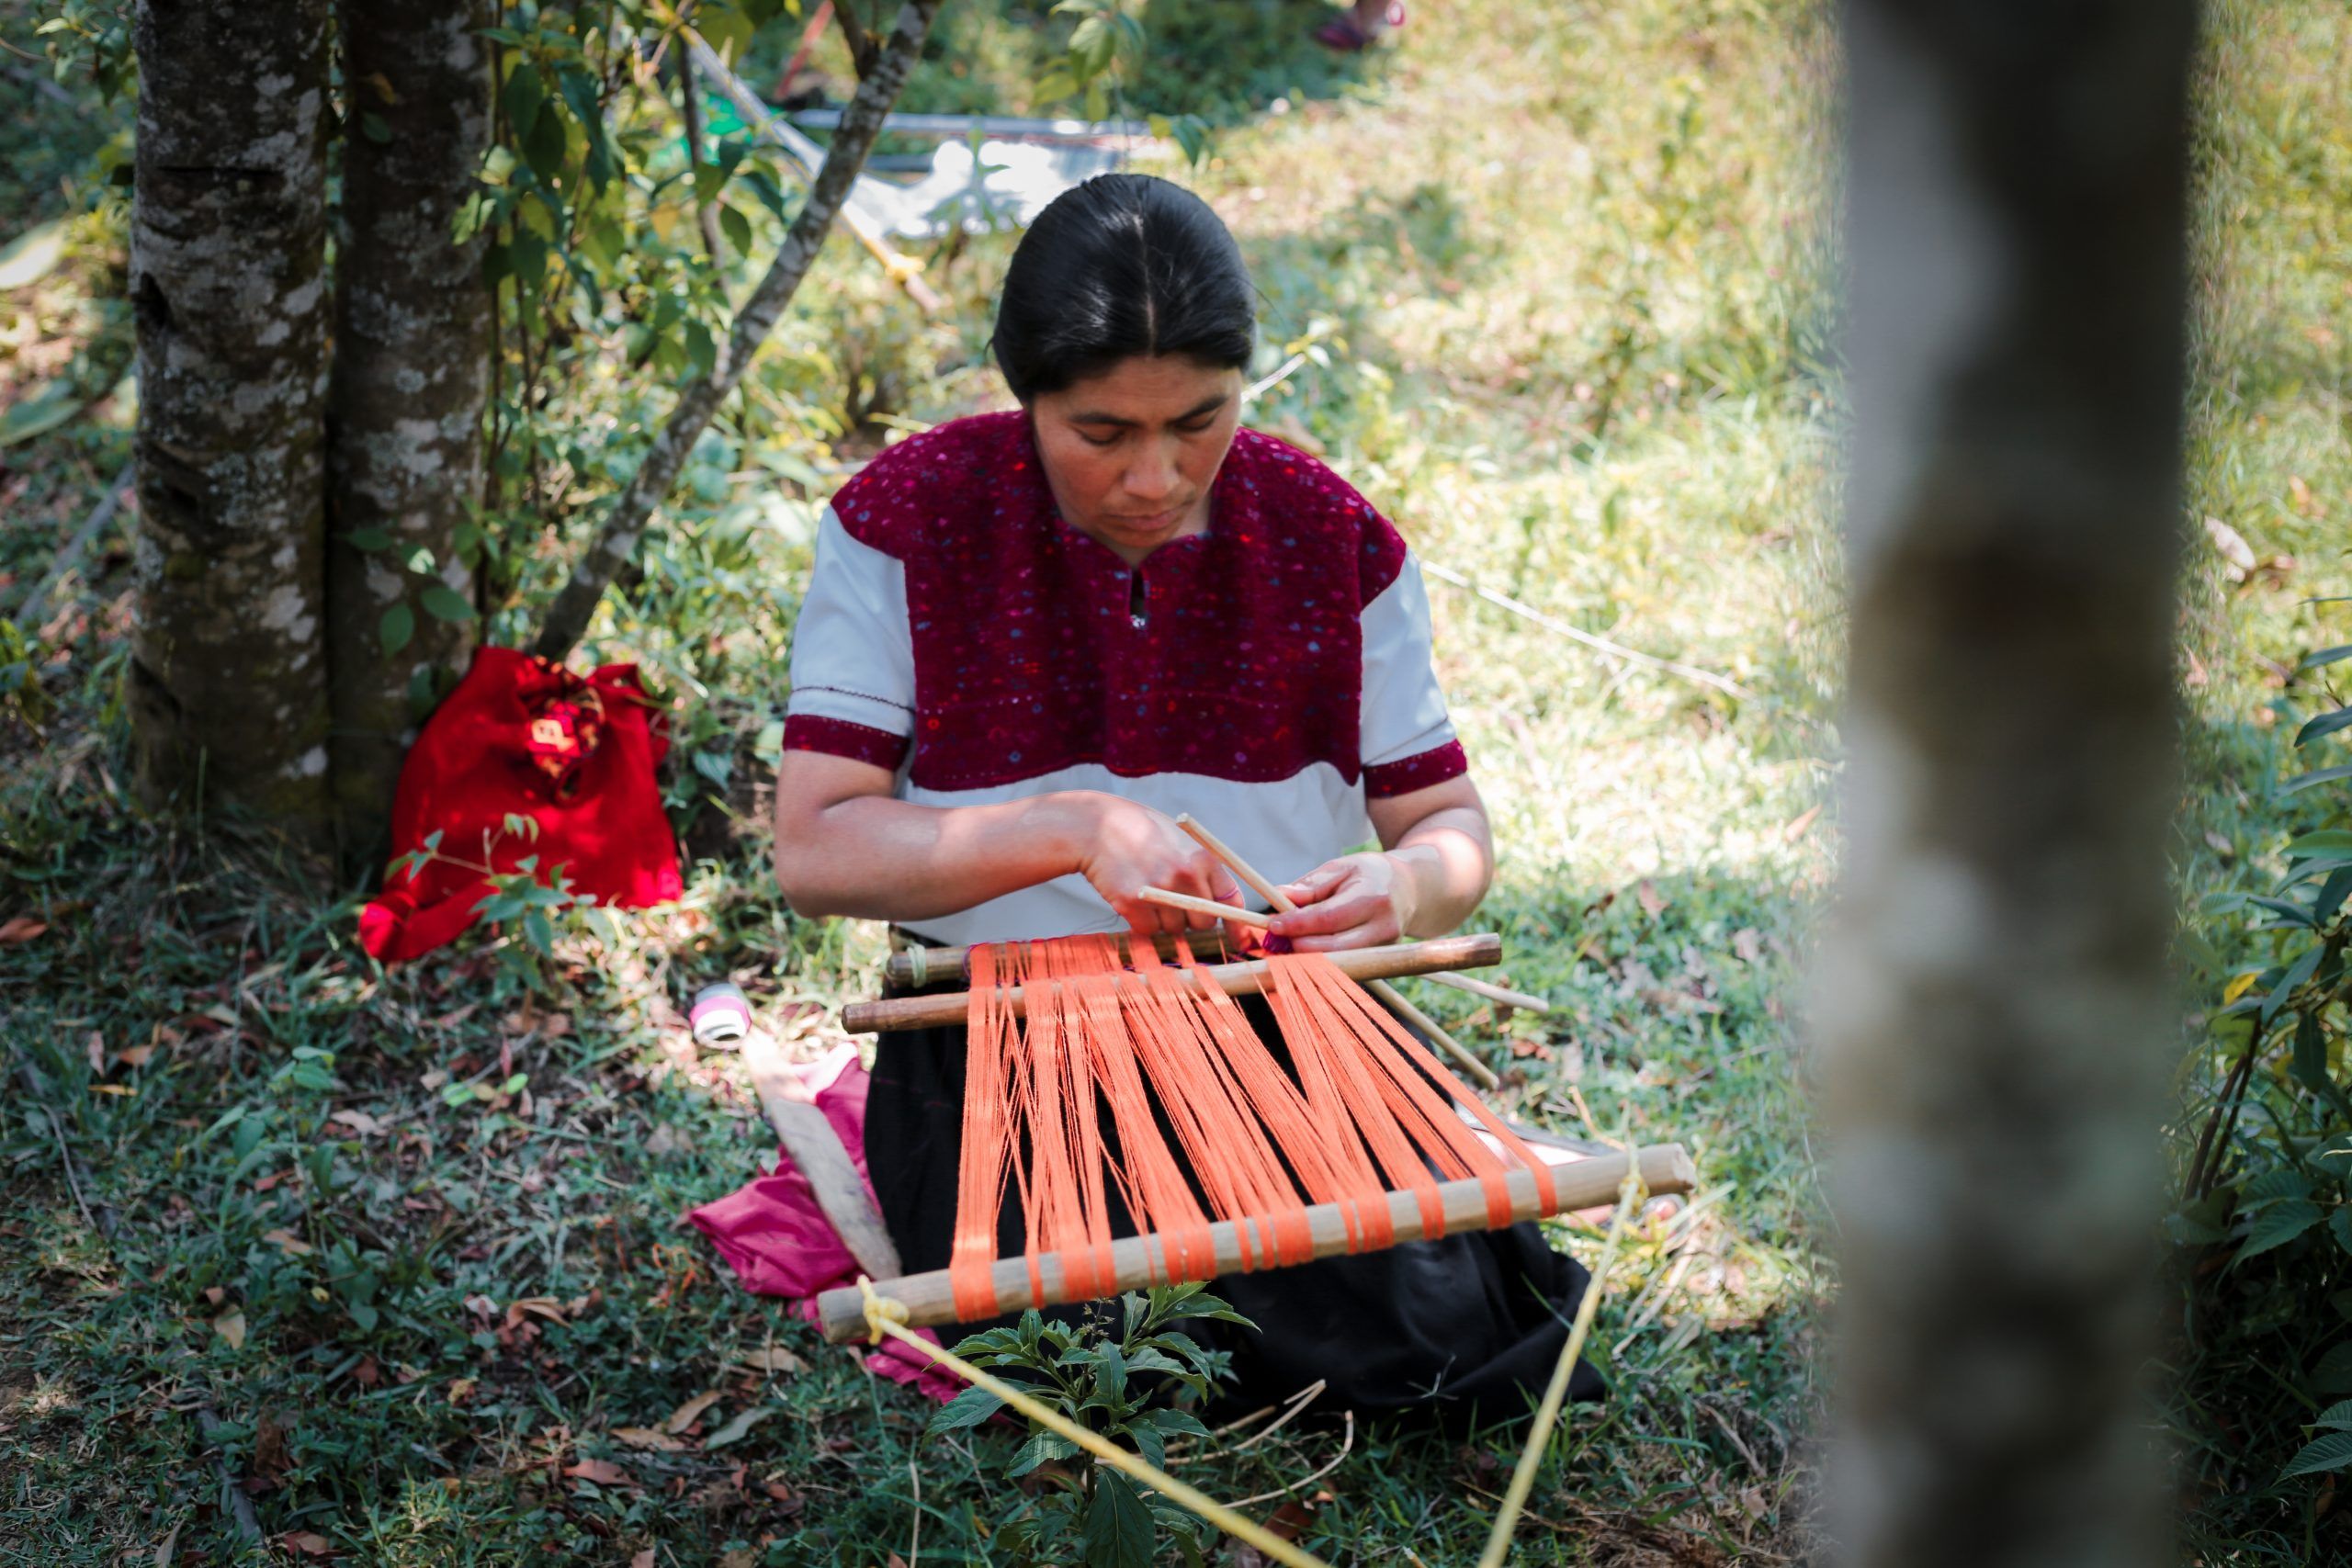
(853, 651)
(1403, 710)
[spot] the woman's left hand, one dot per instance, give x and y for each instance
(1359, 900)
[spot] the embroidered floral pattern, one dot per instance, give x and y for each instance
(1247, 664)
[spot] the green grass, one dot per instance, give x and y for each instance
(1566, 265)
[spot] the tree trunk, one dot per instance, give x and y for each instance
(228, 233)
(412, 370)
(1992, 1000)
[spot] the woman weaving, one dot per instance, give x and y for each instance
(1033, 637)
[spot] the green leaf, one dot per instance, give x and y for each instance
(968, 1408)
(2326, 724)
(2311, 1064)
(543, 148)
(2333, 1372)
(2338, 1415)
(523, 94)
(2317, 776)
(398, 625)
(2327, 841)
(738, 229)
(2326, 656)
(376, 128)
(44, 410)
(369, 539)
(2272, 1185)
(1041, 1448)
(2276, 1225)
(1118, 1530)
(31, 255)
(2331, 1452)
(443, 602)
(2339, 1226)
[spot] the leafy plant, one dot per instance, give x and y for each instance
(530, 900)
(1133, 1386)
(2278, 1194)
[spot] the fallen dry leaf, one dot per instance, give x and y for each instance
(287, 1241)
(309, 1543)
(641, 1558)
(367, 1374)
(647, 1437)
(683, 1416)
(136, 1055)
(771, 1359)
(1647, 893)
(231, 1325)
(358, 1122)
(19, 930)
(1797, 825)
(1748, 943)
(602, 1472)
(744, 1557)
(270, 1457)
(533, 1306)
(95, 1047)
(215, 1294)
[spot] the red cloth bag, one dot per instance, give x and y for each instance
(525, 736)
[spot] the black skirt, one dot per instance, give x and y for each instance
(1467, 1327)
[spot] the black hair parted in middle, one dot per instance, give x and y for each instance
(1119, 265)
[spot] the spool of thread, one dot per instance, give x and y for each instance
(721, 1015)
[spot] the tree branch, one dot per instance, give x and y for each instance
(616, 540)
(860, 41)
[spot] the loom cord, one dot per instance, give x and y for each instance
(1078, 1103)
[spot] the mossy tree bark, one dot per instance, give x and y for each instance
(412, 370)
(1992, 1000)
(228, 238)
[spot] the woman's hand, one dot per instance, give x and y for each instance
(1359, 900)
(1131, 847)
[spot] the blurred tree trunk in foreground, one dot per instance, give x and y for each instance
(412, 371)
(1992, 999)
(228, 237)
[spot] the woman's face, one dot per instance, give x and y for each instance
(1131, 454)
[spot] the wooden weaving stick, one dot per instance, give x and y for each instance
(1377, 985)
(1140, 1261)
(1170, 899)
(916, 967)
(1244, 979)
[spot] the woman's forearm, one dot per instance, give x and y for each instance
(875, 858)
(1448, 856)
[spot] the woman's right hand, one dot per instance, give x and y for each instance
(1131, 847)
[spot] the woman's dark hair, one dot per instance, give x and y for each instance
(1120, 264)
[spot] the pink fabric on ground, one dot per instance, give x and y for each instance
(780, 1244)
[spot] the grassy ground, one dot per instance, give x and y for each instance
(312, 1263)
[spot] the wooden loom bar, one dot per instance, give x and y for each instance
(1139, 1261)
(1240, 979)
(920, 966)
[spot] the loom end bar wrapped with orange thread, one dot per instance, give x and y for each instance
(1138, 1262)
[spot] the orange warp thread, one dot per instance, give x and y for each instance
(1084, 1097)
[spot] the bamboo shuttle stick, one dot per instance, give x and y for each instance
(1245, 978)
(1492, 992)
(1139, 1261)
(1209, 907)
(1378, 988)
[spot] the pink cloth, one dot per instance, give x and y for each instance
(780, 1243)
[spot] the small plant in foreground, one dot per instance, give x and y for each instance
(1132, 1386)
